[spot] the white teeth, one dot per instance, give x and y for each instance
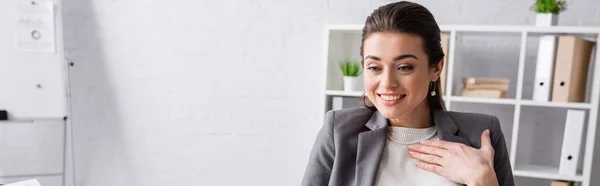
(390, 98)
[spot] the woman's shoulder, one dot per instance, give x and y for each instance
(468, 115)
(349, 116)
(352, 112)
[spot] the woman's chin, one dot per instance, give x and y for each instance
(390, 112)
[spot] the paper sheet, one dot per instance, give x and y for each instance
(35, 26)
(25, 183)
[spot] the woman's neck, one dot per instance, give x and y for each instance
(420, 117)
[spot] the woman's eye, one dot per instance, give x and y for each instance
(405, 68)
(374, 68)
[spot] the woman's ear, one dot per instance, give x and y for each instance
(436, 70)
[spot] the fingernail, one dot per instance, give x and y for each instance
(487, 132)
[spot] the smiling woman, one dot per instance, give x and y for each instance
(404, 135)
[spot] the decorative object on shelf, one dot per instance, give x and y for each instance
(484, 87)
(547, 11)
(482, 81)
(350, 70)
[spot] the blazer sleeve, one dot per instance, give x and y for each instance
(322, 155)
(502, 165)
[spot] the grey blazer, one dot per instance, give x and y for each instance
(350, 144)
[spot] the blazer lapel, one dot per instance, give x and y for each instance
(372, 143)
(446, 127)
(370, 149)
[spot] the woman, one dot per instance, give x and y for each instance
(404, 136)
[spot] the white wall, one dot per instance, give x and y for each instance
(196, 92)
(217, 92)
(206, 92)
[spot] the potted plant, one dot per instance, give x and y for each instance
(547, 11)
(350, 70)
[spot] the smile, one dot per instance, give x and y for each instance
(391, 99)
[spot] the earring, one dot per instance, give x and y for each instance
(432, 84)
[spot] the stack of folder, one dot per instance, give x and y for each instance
(484, 87)
(563, 78)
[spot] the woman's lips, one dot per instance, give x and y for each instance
(390, 99)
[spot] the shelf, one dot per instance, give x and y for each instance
(544, 172)
(490, 28)
(32, 175)
(505, 101)
(556, 104)
(502, 101)
(343, 93)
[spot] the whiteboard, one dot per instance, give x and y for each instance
(32, 84)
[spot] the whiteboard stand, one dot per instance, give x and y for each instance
(35, 88)
(66, 133)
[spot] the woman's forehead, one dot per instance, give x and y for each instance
(390, 45)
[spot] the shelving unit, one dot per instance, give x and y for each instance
(343, 41)
(544, 172)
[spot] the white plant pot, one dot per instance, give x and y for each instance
(546, 19)
(350, 83)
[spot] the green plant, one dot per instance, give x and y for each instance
(350, 67)
(549, 6)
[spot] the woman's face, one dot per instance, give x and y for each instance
(396, 73)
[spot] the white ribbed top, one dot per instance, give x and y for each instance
(398, 168)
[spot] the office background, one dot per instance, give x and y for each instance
(206, 92)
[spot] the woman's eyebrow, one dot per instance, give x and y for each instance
(400, 57)
(404, 56)
(373, 58)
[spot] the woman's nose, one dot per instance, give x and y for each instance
(388, 80)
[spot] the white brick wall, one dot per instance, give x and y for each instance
(206, 92)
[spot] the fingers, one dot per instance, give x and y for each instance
(425, 149)
(486, 145)
(436, 143)
(442, 144)
(485, 139)
(486, 142)
(430, 167)
(428, 158)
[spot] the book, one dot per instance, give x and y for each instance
(502, 87)
(475, 80)
(561, 183)
(482, 93)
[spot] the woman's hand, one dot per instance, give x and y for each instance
(457, 162)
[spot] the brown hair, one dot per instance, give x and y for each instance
(411, 18)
